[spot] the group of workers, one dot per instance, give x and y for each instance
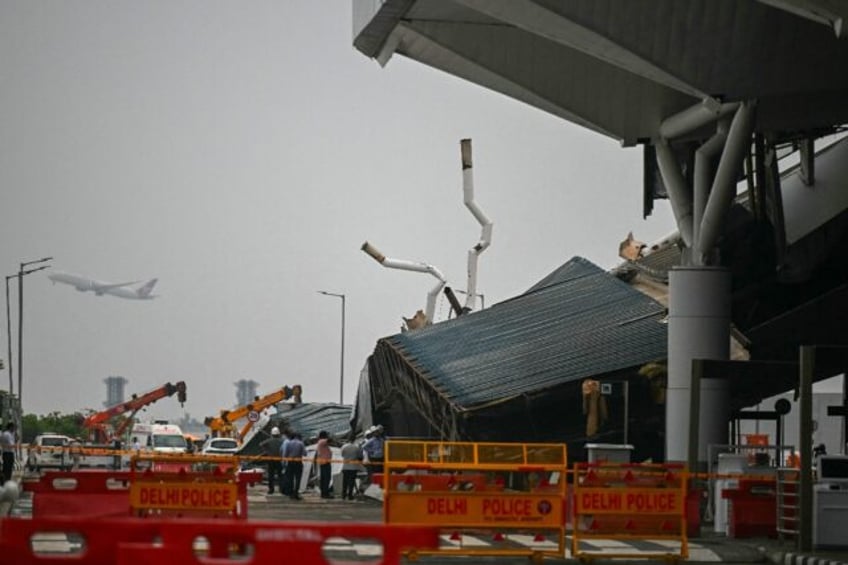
(286, 452)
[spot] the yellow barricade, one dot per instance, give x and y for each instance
(186, 485)
(488, 498)
(630, 502)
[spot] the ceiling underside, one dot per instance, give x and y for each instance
(619, 67)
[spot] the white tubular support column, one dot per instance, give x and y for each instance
(675, 184)
(698, 328)
(411, 266)
(724, 183)
(486, 224)
(694, 117)
(704, 157)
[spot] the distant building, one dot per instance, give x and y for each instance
(245, 391)
(114, 390)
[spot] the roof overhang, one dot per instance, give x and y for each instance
(620, 67)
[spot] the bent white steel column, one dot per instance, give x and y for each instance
(485, 223)
(698, 328)
(405, 265)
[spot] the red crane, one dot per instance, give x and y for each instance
(98, 421)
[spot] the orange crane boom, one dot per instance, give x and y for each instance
(127, 410)
(224, 423)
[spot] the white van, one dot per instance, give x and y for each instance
(159, 437)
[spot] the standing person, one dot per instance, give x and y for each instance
(324, 461)
(352, 457)
(285, 488)
(293, 454)
(271, 450)
(373, 449)
(7, 443)
(75, 451)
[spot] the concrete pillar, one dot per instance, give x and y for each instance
(698, 328)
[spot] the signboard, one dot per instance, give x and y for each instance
(183, 496)
(253, 416)
(477, 509)
(631, 501)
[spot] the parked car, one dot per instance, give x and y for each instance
(49, 450)
(220, 446)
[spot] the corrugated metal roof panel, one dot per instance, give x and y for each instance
(577, 322)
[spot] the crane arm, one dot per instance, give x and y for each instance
(226, 419)
(133, 405)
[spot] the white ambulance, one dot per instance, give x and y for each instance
(159, 437)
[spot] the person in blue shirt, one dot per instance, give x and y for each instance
(373, 449)
(293, 453)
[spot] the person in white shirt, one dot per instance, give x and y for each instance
(7, 444)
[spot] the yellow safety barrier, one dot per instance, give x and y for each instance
(630, 502)
(511, 493)
(182, 485)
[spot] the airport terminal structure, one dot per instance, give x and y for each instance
(719, 97)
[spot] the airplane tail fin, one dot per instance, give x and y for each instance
(147, 288)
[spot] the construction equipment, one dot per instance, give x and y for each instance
(112, 423)
(225, 423)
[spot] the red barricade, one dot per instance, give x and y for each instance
(97, 494)
(83, 494)
(128, 541)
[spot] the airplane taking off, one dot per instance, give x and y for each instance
(121, 290)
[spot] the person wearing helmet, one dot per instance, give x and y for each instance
(271, 454)
(373, 449)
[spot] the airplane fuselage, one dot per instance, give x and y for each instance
(121, 290)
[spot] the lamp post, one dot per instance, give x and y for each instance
(22, 272)
(341, 363)
(9, 336)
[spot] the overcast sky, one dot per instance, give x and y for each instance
(242, 152)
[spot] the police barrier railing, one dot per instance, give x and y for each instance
(199, 485)
(128, 541)
(79, 493)
(512, 494)
(630, 502)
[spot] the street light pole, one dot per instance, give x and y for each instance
(341, 362)
(9, 336)
(22, 272)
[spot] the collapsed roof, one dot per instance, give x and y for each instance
(470, 378)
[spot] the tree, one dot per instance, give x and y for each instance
(55, 422)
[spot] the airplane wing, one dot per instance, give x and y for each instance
(100, 286)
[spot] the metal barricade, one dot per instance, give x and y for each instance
(187, 485)
(512, 494)
(630, 501)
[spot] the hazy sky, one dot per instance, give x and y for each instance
(242, 152)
